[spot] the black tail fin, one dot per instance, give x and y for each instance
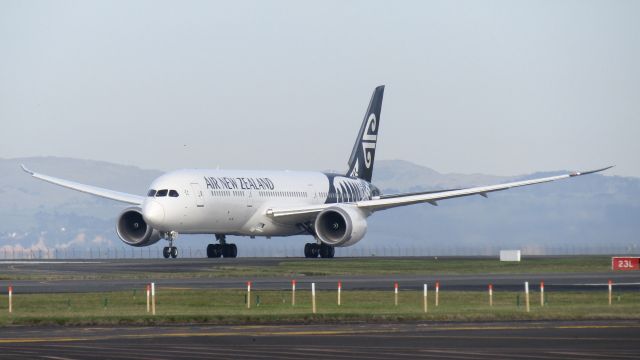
(364, 150)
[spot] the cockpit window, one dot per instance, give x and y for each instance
(151, 193)
(161, 193)
(173, 193)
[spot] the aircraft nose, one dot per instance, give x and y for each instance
(153, 212)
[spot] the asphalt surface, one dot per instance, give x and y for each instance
(623, 281)
(520, 340)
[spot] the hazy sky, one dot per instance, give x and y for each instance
(498, 87)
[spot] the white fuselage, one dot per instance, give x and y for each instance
(237, 202)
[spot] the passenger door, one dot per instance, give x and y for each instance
(198, 194)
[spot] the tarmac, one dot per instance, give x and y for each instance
(623, 281)
(514, 340)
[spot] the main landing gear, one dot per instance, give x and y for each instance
(170, 251)
(325, 251)
(222, 249)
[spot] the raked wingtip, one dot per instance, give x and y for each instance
(24, 168)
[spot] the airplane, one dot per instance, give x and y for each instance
(332, 207)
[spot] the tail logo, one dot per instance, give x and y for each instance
(369, 139)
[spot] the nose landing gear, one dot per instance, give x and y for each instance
(222, 249)
(170, 251)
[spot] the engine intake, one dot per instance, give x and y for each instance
(133, 230)
(341, 226)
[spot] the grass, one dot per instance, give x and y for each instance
(229, 307)
(351, 266)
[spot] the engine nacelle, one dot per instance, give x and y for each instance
(341, 225)
(133, 230)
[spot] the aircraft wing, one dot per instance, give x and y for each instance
(431, 197)
(93, 190)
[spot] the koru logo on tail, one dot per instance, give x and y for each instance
(369, 139)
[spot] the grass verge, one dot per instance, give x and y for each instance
(229, 307)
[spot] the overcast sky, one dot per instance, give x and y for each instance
(496, 87)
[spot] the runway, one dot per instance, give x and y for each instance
(526, 340)
(474, 282)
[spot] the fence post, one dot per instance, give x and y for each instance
(610, 291)
(490, 294)
(313, 297)
(293, 292)
(248, 294)
(153, 298)
(425, 298)
(437, 292)
(541, 293)
(10, 299)
(526, 294)
(395, 293)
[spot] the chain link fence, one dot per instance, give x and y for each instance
(155, 252)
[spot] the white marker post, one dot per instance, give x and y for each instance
(437, 292)
(526, 294)
(490, 294)
(610, 291)
(541, 293)
(148, 297)
(395, 292)
(10, 299)
(153, 298)
(293, 292)
(248, 294)
(313, 297)
(425, 298)
(339, 291)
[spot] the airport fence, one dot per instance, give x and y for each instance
(154, 252)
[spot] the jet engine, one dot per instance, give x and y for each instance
(341, 226)
(133, 230)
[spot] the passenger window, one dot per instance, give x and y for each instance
(162, 193)
(151, 193)
(173, 193)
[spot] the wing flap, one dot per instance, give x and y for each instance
(93, 190)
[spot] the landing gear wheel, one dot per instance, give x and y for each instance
(166, 252)
(307, 250)
(327, 251)
(229, 250)
(214, 250)
(222, 249)
(315, 250)
(173, 251)
(233, 250)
